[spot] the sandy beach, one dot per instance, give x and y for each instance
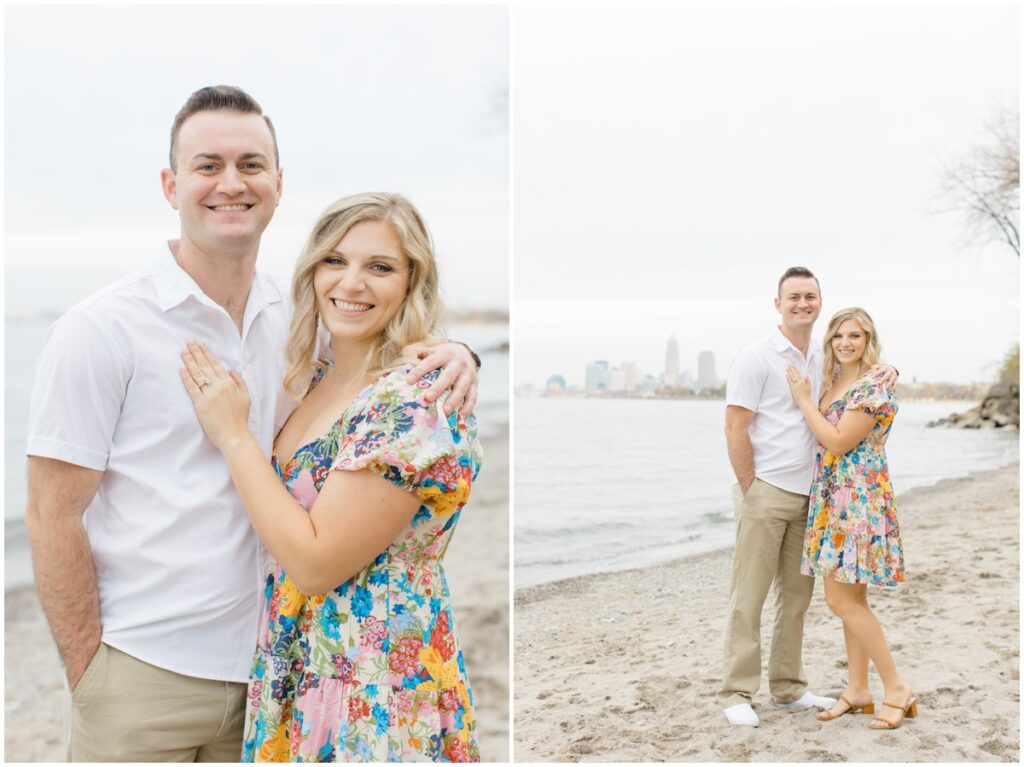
(625, 667)
(477, 564)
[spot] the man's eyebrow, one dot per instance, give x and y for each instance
(214, 156)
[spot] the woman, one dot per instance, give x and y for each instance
(852, 537)
(357, 657)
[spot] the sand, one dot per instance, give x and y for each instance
(477, 563)
(625, 667)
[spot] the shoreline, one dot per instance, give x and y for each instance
(477, 568)
(625, 667)
(542, 590)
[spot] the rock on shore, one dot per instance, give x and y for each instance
(999, 410)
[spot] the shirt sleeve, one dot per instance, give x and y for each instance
(873, 398)
(395, 433)
(746, 381)
(79, 388)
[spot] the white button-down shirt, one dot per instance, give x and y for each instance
(784, 445)
(176, 558)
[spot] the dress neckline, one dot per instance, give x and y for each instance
(846, 394)
(323, 367)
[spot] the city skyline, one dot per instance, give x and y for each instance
(627, 375)
(818, 177)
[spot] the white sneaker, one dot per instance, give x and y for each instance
(742, 714)
(808, 700)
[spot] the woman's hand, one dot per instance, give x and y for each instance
(221, 398)
(799, 386)
(458, 372)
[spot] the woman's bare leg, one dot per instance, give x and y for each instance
(849, 602)
(857, 691)
(856, 655)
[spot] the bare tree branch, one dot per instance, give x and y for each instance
(984, 184)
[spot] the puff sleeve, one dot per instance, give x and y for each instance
(395, 433)
(873, 398)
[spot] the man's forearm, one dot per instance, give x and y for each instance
(66, 583)
(741, 456)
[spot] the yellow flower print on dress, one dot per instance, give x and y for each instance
(446, 503)
(292, 599)
(443, 675)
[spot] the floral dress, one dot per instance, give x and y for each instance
(852, 535)
(371, 671)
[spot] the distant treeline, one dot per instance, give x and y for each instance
(474, 316)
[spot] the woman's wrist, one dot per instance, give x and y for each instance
(236, 442)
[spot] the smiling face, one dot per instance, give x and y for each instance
(362, 283)
(849, 343)
(799, 303)
(227, 184)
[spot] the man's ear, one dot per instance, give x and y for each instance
(169, 184)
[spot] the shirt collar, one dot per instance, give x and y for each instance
(781, 343)
(174, 285)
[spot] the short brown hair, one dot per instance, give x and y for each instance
(210, 99)
(797, 271)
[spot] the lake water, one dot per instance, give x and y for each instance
(24, 338)
(604, 484)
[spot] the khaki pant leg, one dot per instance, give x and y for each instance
(793, 591)
(227, 744)
(759, 534)
(126, 710)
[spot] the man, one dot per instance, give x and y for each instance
(152, 602)
(772, 450)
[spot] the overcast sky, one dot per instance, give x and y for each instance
(670, 163)
(405, 99)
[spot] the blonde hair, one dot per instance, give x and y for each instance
(872, 351)
(417, 319)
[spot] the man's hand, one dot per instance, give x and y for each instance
(458, 372)
(887, 375)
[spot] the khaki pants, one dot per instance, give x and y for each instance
(125, 710)
(770, 524)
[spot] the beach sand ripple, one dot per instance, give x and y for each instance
(625, 667)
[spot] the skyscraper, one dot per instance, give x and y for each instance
(672, 362)
(631, 374)
(597, 375)
(706, 376)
